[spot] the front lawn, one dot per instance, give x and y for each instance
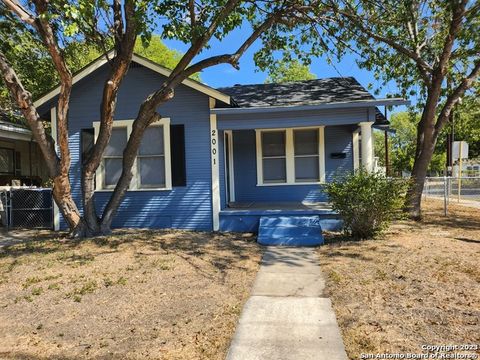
(134, 295)
(419, 285)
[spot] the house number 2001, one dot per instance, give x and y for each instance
(214, 147)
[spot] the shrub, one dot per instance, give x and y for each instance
(367, 202)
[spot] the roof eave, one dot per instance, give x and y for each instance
(326, 106)
(14, 132)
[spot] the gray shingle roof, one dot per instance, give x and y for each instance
(308, 92)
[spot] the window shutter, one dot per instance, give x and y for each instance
(87, 140)
(177, 150)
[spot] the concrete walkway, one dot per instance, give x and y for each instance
(286, 316)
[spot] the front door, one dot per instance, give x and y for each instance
(229, 170)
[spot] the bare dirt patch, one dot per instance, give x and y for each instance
(134, 295)
(418, 285)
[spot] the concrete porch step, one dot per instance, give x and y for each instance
(290, 230)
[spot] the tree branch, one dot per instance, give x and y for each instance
(24, 101)
(124, 44)
(201, 41)
(20, 11)
(193, 17)
(424, 68)
(49, 40)
(455, 26)
(117, 21)
(455, 96)
(231, 59)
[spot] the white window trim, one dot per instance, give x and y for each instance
(290, 156)
(135, 183)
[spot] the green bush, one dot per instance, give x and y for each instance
(367, 202)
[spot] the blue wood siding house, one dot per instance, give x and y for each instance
(221, 158)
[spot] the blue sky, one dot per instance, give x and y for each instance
(226, 75)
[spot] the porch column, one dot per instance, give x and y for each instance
(215, 168)
(367, 145)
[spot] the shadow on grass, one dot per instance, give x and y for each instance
(457, 218)
(339, 245)
(473, 241)
(222, 251)
(350, 255)
(14, 355)
(449, 223)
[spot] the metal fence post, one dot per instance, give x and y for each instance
(10, 213)
(425, 190)
(445, 195)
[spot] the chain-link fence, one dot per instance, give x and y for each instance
(464, 190)
(29, 208)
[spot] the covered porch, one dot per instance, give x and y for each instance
(279, 168)
(281, 171)
(286, 168)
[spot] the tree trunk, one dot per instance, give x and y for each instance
(419, 172)
(57, 168)
(426, 140)
(63, 197)
(92, 224)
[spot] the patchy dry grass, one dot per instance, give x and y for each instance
(420, 284)
(134, 295)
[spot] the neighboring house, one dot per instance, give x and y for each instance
(21, 162)
(220, 158)
(470, 168)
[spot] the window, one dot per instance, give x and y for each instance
(151, 169)
(7, 161)
(290, 156)
(274, 157)
(112, 159)
(151, 158)
(307, 164)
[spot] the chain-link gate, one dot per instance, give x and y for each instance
(27, 208)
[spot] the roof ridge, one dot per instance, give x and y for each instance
(289, 82)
